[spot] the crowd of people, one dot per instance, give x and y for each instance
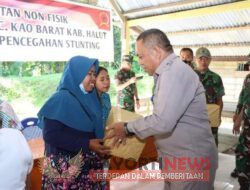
(73, 119)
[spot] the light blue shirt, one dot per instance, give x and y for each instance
(179, 122)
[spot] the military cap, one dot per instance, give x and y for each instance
(202, 52)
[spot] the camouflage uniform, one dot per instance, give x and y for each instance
(243, 148)
(214, 89)
(193, 66)
(126, 95)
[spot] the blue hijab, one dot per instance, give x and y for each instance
(70, 105)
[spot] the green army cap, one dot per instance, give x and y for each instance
(202, 52)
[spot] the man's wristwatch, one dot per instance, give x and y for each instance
(127, 132)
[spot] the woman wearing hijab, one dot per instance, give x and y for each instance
(72, 129)
(8, 116)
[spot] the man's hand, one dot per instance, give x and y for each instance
(97, 146)
(237, 122)
(117, 132)
(132, 80)
(236, 127)
(235, 117)
(138, 104)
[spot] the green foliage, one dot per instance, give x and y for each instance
(14, 68)
(104, 64)
(30, 68)
(35, 89)
(117, 47)
(8, 93)
(136, 67)
(40, 88)
(5, 71)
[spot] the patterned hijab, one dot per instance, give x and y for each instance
(8, 116)
(70, 105)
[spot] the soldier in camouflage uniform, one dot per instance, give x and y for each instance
(243, 148)
(126, 85)
(211, 81)
(187, 56)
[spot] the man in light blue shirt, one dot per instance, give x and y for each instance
(179, 122)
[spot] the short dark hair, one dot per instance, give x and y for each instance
(187, 49)
(101, 69)
(154, 37)
(127, 58)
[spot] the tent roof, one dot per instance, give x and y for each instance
(221, 25)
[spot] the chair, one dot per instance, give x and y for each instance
(33, 134)
(30, 129)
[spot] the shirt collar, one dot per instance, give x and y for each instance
(207, 71)
(169, 59)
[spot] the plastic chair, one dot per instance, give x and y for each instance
(30, 129)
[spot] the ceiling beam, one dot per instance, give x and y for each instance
(220, 45)
(117, 10)
(191, 13)
(137, 29)
(210, 30)
(230, 58)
